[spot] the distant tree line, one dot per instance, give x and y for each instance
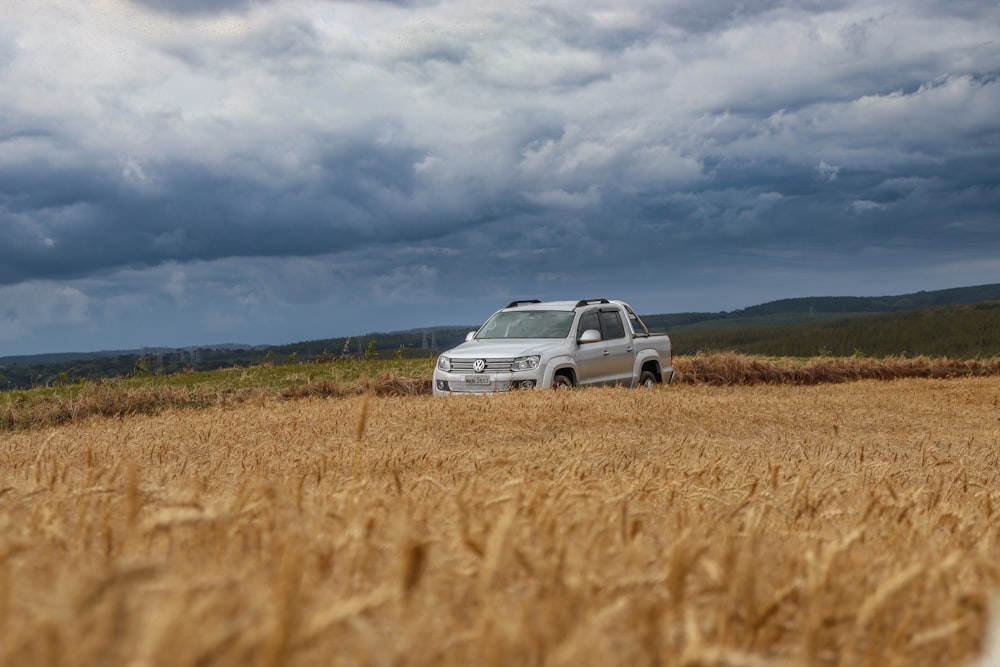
(961, 332)
(822, 308)
(69, 369)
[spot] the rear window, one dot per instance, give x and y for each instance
(611, 321)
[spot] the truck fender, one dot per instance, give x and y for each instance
(556, 364)
(641, 359)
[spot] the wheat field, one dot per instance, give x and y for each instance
(840, 524)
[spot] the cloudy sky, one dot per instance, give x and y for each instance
(185, 172)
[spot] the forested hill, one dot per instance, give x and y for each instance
(821, 309)
(878, 304)
(963, 331)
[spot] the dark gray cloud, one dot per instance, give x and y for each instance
(278, 171)
(198, 7)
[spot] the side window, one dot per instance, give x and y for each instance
(612, 322)
(588, 321)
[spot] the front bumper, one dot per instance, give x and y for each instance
(447, 384)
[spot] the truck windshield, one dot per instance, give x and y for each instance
(528, 324)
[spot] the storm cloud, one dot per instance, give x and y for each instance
(189, 173)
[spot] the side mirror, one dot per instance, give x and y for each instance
(589, 336)
(469, 336)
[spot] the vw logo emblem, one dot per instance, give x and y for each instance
(479, 365)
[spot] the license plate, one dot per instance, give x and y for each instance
(477, 379)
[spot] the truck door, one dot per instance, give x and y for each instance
(590, 356)
(609, 361)
(619, 349)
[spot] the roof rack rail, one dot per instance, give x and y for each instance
(515, 304)
(587, 302)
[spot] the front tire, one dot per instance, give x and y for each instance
(562, 382)
(647, 379)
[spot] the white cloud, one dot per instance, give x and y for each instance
(865, 205)
(827, 172)
(176, 284)
(561, 199)
(33, 306)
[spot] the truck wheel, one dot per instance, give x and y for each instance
(562, 381)
(647, 379)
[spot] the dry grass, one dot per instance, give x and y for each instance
(741, 369)
(839, 524)
(118, 398)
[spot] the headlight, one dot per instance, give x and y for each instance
(444, 364)
(525, 363)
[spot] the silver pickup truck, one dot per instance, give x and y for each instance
(559, 344)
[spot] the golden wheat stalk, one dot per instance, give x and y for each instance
(359, 433)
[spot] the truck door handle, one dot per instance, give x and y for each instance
(628, 349)
(606, 352)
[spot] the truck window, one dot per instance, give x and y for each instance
(588, 321)
(611, 322)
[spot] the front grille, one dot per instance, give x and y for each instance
(462, 388)
(492, 365)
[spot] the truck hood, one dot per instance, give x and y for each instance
(514, 347)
